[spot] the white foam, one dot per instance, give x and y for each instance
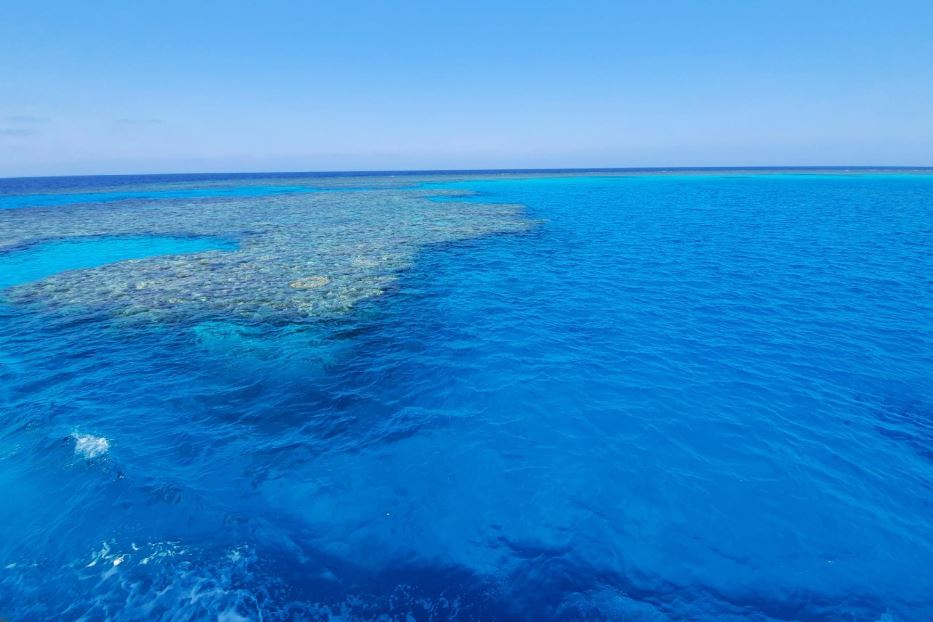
(89, 446)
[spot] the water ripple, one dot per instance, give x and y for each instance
(674, 397)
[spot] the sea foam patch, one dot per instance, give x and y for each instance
(89, 446)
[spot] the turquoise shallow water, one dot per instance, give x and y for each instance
(11, 201)
(32, 263)
(678, 397)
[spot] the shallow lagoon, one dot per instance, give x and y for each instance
(44, 259)
(701, 397)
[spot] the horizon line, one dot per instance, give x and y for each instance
(451, 171)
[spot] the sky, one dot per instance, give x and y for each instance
(100, 87)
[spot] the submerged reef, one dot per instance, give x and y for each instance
(302, 253)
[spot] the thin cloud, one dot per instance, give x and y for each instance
(16, 131)
(140, 121)
(25, 119)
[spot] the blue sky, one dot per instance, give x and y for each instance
(171, 86)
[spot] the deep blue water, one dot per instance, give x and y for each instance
(678, 397)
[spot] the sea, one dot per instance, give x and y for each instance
(642, 395)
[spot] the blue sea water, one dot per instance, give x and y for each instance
(689, 396)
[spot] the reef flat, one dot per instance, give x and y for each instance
(303, 252)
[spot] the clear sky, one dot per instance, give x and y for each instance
(132, 86)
